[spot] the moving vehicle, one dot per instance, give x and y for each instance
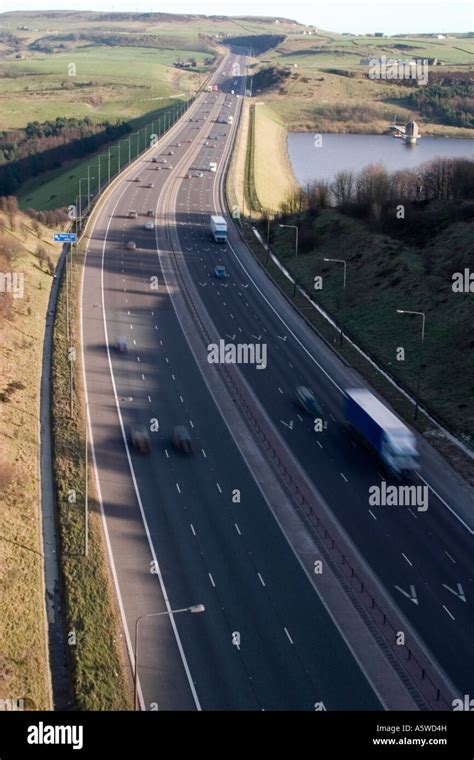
(218, 228)
(220, 272)
(230, 120)
(381, 430)
(132, 214)
(149, 226)
(182, 440)
(150, 184)
(121, 344)
(199, 174)
(213, 166)
(140, 439)
(131, 245)
(306, 400)
(150, 212)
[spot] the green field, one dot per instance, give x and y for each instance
(109, 83)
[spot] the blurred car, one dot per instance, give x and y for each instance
(154, 160)
(199, 174)
(137, 179)
(149, 226)
(131, 245)
(305, 398)
(132, 214)
(182, 440)
(121, 344)
(150, 184)
(140, 439)
(189, 176)
(171, 153)
(150, 212)
(220, 272)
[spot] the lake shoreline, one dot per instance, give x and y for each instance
(322, 159)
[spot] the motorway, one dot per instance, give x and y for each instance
(177, 533)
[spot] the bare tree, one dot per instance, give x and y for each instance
(342, 187)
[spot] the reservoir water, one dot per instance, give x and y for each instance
(354, 152)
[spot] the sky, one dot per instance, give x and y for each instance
(357, 16)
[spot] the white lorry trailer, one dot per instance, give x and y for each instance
(219, 229)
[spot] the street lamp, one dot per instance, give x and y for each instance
(293, 227)
(418, 384)
(110, 149)
(123, 139)
(195, 608)
(91, 166)
(341, 261)
(83, 179)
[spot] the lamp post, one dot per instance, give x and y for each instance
(110, 150)
(83, 179)
(91, 166)
(293, 227)
(123, 139)
(129, 144)
(196, 608)
(269, 220)
(341, 261)
(418, 383)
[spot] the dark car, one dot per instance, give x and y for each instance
(140, 439)
(181, 440)
(220, 272)
(306, 400)
(121, 344)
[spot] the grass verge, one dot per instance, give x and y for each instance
(93, 627)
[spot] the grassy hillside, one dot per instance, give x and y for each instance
(326, 87)
(23, 646)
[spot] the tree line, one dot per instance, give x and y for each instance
(39, 147)
(383, 197)
(438, 179)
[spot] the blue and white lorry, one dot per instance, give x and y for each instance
(388, 436)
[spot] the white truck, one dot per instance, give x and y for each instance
(230, 120)
(213, 167)
(388, 436)
(219, 229)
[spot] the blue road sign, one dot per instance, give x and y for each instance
(65, 237)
